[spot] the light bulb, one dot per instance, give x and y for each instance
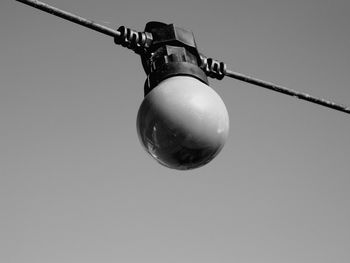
(182, 123)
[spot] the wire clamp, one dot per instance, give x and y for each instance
(213, 68)
(134, 40)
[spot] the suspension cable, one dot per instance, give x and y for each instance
(71, 17)
(299, 95)
(212, 68)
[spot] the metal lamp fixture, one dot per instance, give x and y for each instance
(182, 122)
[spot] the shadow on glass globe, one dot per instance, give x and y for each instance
(182, 123)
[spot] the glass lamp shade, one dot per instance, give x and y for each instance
(182, 123)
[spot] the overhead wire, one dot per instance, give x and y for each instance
(213, 68)
(284, 90)
(71, 17)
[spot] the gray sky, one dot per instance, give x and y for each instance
(76, 185)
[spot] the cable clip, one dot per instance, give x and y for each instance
(136, 41)
(213, 68)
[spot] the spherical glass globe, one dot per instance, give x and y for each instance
(182, 123)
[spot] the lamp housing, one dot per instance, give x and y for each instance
(182, 122)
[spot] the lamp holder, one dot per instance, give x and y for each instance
(166, 51)
(173, 52)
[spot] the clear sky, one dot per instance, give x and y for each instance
(76, 185)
